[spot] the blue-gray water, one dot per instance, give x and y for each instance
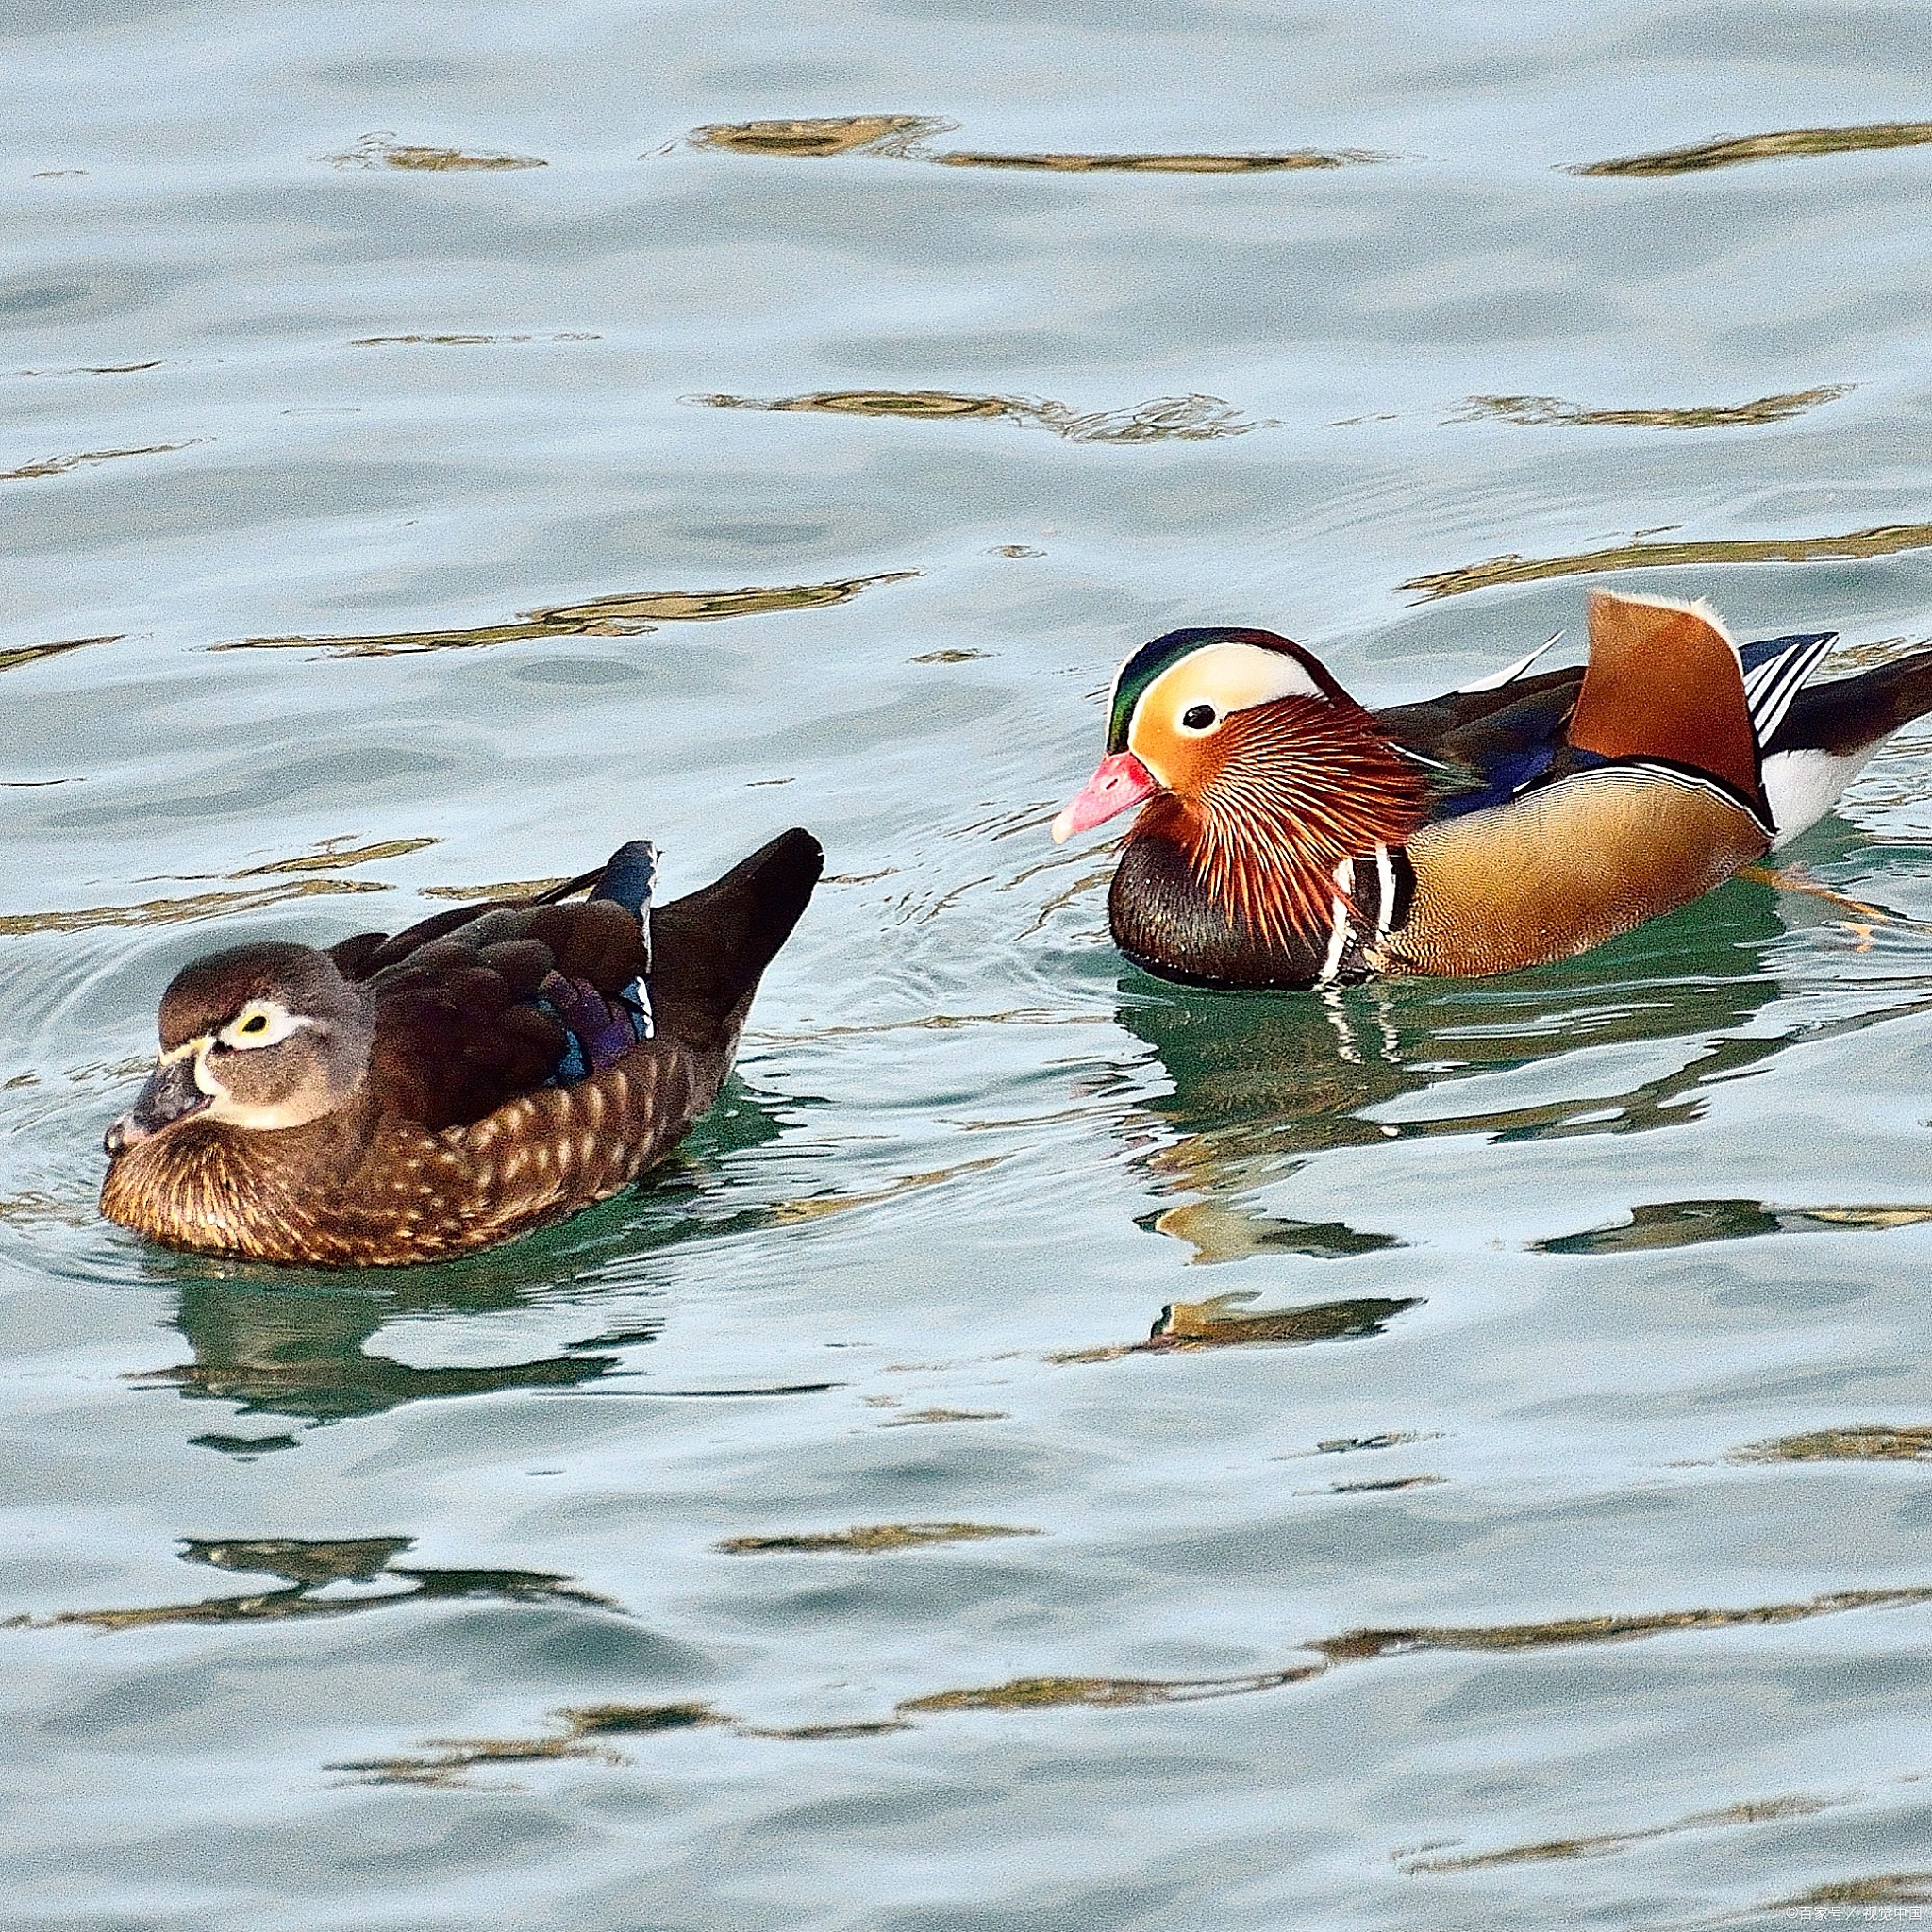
(1601, 1232)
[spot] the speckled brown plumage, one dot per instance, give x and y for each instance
(450, 1138)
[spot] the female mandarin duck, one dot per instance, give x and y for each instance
(1293, 839)
(394, 1100)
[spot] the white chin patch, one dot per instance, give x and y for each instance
(293, 1112)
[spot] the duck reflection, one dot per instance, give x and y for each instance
(324, 1579)
(299, 1350)
(1261, 1081)
(296, 1342)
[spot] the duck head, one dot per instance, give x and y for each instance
(259, 1038)
(1257, 766)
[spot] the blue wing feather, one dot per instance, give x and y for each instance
(628, 876)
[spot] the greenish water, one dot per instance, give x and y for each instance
(1518, 1515)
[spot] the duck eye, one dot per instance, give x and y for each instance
(1197, 717)
(256, 1023)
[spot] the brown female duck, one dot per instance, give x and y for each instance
(397, 1100)
(1291, 838)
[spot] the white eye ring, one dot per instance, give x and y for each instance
(260, 1022)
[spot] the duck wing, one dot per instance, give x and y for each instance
(1494, 739)
(477, 1007)
(1653, 796)
(1485, 745)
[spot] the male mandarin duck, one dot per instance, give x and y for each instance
(495, 1068)
(1291, 837)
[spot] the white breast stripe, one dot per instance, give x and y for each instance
(1337, 939)
(1385, 890)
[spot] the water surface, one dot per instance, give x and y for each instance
(1055, 1448)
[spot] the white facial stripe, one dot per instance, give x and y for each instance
(1231, 677)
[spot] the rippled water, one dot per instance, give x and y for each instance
(691, 421)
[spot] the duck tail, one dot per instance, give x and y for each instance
(1848, 714)
(710, 949)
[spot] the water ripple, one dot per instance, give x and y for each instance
(1784, 144)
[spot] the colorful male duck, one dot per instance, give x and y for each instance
(1291, 838)
(394, 1100)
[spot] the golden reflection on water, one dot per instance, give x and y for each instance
(1178, 419)
(470, 341)
(59, 466)
(32, 654)
(1553, 412)
(1859, 1443)
(1356, 1646)
(1044, 1694)
(504, 889)
(334, 855)
(1221, 1321)
(904, 137)
(386, 151)
(1886, 539)
(1362, 1646)
(1781, 145)
(176, 911)
(330, 856)
(878, 402)
(1886, 1888)
(920, 1418)
(625, 614)
(1165, 164)
(1793, 879)
(817, 139)
(96, 368)
(1608, 1843)
(818, 1206)
(446, 1762)
(867, 1539)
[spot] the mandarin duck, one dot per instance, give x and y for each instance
(400, 1099)
(1291, 838)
